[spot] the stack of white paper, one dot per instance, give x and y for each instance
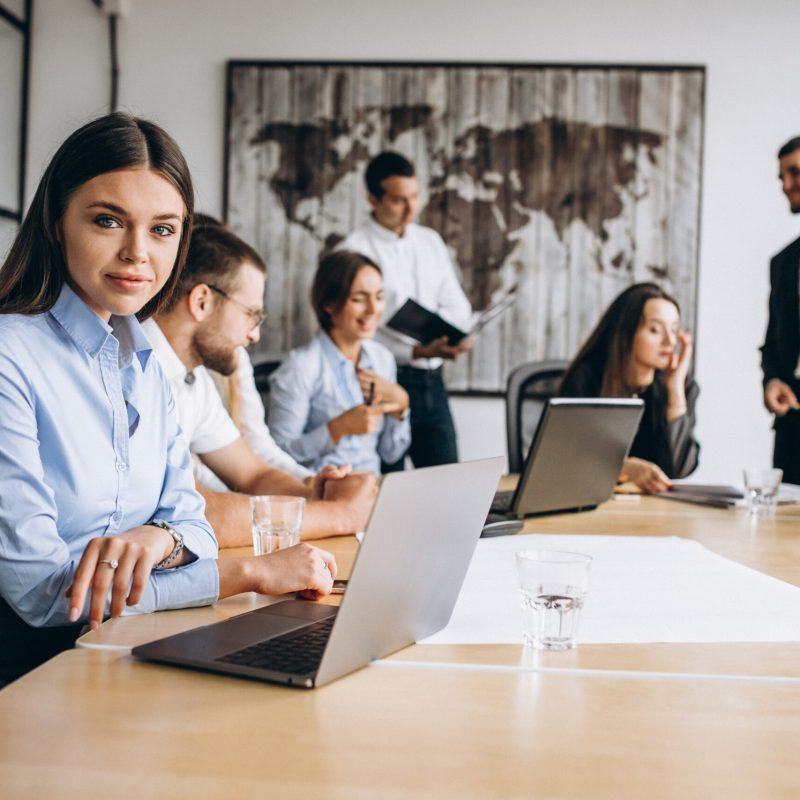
(641, 589)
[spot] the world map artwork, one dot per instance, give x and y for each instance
(569, 209)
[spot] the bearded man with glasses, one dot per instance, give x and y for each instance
(218, 310)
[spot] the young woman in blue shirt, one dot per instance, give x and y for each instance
(336, 400)
(98, 512)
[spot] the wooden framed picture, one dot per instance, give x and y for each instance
(571, 182)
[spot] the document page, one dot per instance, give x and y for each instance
(641, 589)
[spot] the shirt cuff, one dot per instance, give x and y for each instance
(188, 586)
(199, 540)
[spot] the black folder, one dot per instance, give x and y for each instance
(424, 325)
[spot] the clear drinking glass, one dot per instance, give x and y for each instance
(553, 585)
(276, 522)
(761, 487)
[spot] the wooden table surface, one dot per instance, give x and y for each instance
(99, 724)
(602, 721)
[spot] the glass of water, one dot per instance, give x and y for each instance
(552, 585)
(761, 487)
(276, 522)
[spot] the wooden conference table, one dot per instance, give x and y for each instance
(469, 721)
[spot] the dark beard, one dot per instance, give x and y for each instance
(212, 355)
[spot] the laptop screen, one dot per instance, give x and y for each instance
(576, 453)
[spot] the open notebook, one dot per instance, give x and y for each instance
(424, 325)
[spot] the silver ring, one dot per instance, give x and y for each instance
(113, 563)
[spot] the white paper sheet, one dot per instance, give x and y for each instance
(641, 589)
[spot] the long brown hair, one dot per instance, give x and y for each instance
(35, 271)
(608, 348)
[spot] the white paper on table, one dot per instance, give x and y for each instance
(641, 589)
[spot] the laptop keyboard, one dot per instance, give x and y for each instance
(296, 653)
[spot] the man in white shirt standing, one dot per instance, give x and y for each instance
(218, 308)
(416, 264)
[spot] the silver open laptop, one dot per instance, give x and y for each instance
(574, 459)
(403, 587)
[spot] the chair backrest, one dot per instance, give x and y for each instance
(528, 389)
(261, 373)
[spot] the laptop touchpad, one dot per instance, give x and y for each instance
(299, 609)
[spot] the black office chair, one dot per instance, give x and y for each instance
(528, 389)
(261, 373)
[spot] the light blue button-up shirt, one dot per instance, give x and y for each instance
(89, 446)
(317, 383)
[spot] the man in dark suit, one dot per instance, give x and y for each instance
(780, 354)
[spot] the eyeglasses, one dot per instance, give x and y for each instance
(257, 317)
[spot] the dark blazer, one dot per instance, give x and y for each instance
(782, 343)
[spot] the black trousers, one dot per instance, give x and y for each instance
(22, 648)
(433, 434)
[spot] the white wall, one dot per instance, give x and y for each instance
(173, 55)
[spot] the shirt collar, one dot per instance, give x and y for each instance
(84, 326)
(385, 234)
(173, 367)
(91, 333)
(338, 358)
(132, 340)
(330, 350)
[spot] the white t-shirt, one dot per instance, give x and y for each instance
(203, 416)
(251, 419)
(206, 424)
(415, 265)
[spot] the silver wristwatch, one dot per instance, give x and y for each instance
(177, 537)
